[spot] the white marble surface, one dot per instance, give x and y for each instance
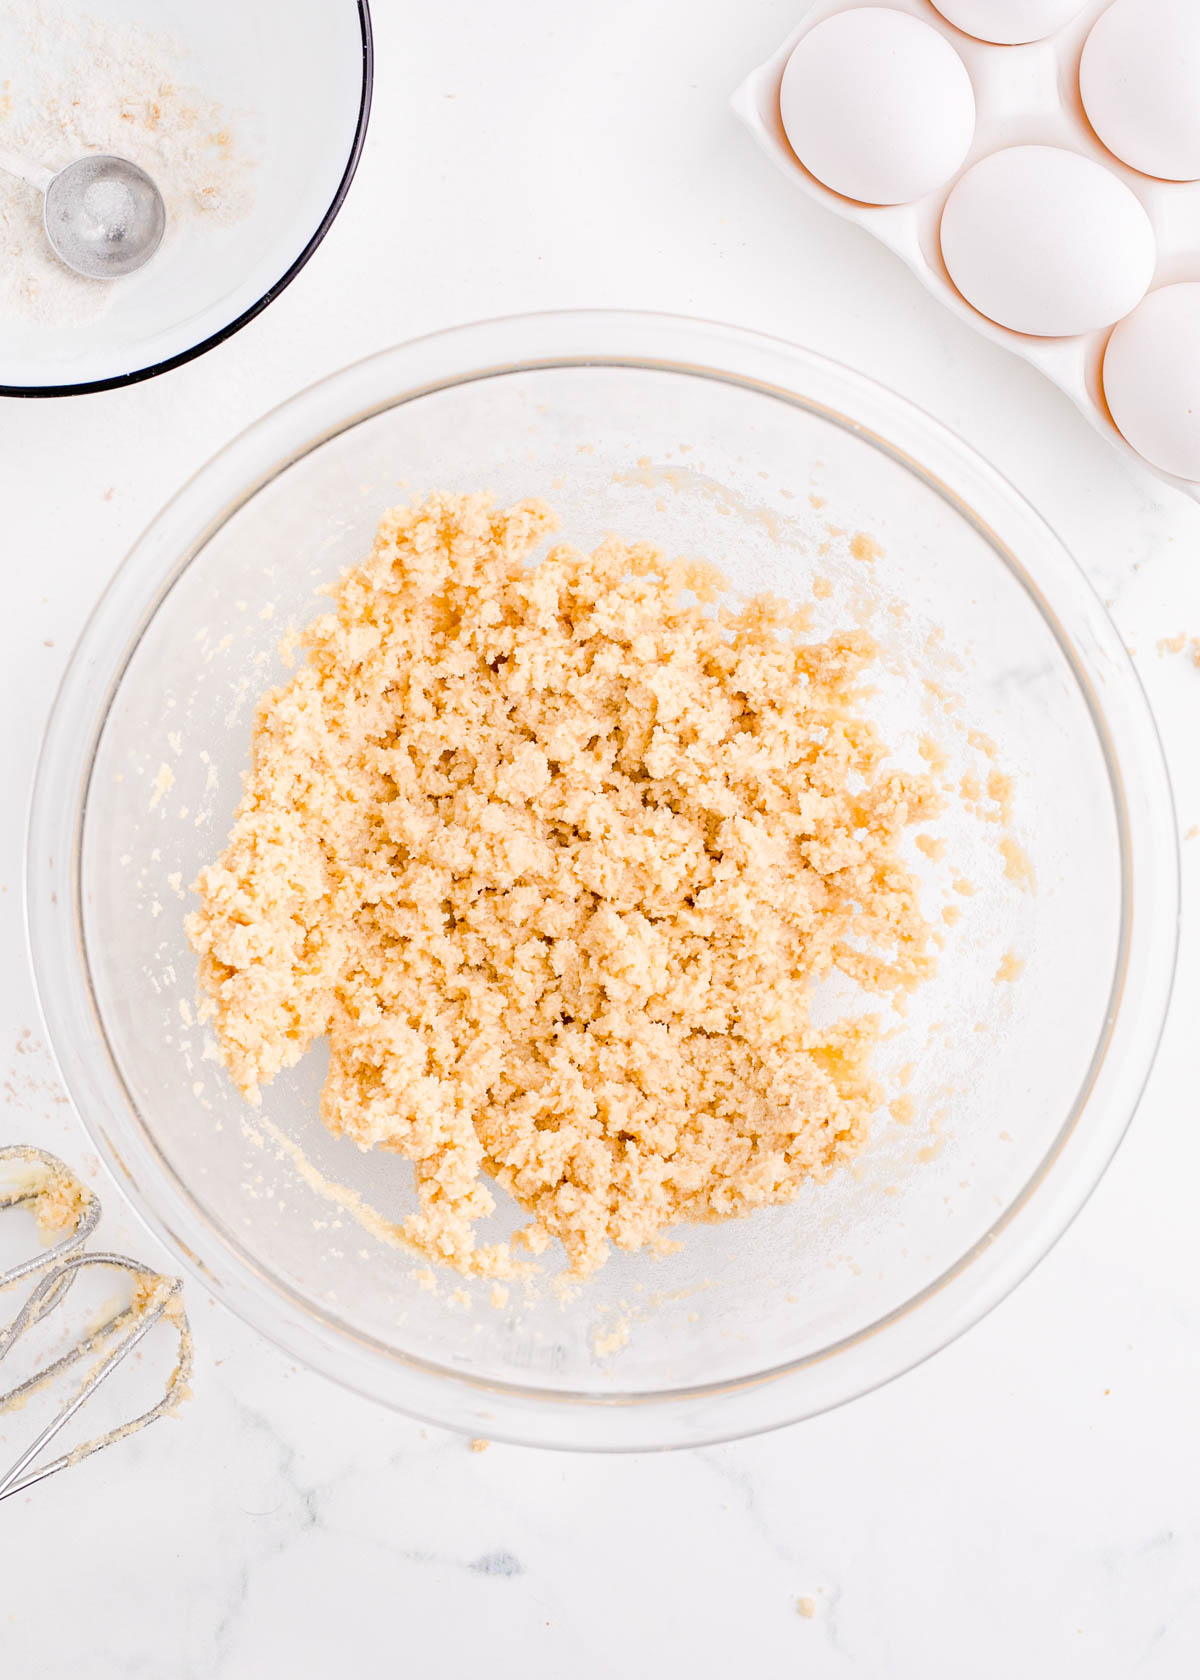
(1026, 1503)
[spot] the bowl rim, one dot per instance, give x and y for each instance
(118, 381)
(1075, 1159)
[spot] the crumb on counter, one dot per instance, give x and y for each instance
(1011, 967)
(1181, 643)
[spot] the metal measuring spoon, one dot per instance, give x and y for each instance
(104, 216)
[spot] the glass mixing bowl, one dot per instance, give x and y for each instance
(1021, 1062)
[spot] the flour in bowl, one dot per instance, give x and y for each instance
(72, 85)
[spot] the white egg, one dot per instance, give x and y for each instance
(1009, 22)
(877, 105)
(1152, 379)
(1047, 242)
(1140, 82)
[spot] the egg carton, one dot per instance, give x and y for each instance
(1025, 94)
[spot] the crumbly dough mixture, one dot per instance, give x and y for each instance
(555, 856)
(60, 1203)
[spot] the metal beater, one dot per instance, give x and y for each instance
(60, 1201)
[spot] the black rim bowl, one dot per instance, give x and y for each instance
(85, 387)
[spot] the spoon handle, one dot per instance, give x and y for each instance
(24, 169)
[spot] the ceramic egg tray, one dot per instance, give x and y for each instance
(1024, 95)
